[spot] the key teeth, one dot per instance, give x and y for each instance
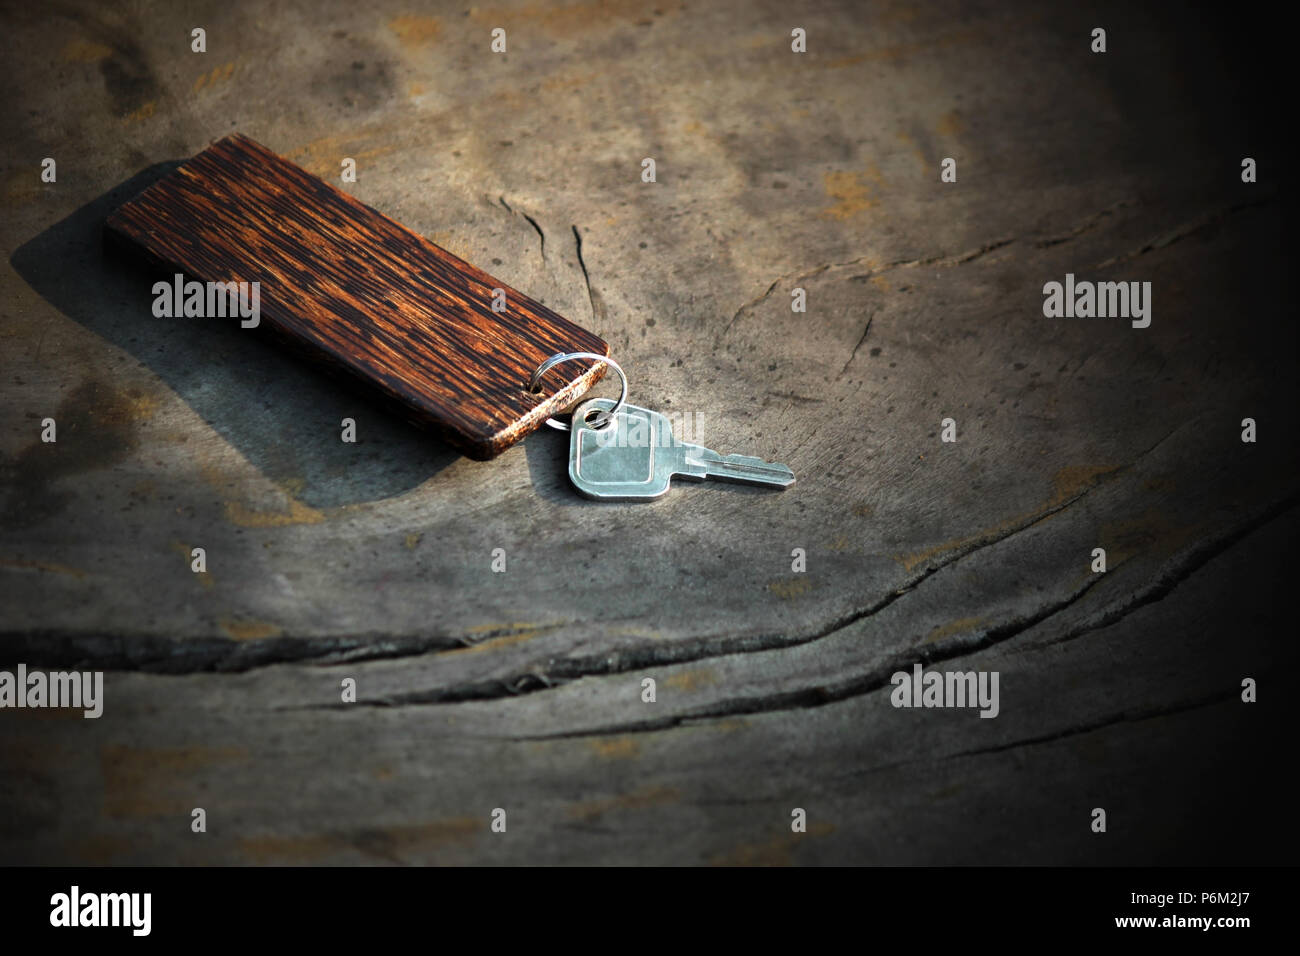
(755, 462)
(769, 473)
(746, 460)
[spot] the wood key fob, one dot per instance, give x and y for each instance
(349, 287)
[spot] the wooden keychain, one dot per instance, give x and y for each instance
(347, 287)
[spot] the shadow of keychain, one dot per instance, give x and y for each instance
(444, 343)
(622, 452)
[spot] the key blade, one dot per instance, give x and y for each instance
(741, 468)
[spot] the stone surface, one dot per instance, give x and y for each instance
(521, 690)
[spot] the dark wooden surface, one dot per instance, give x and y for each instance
(346, 286)
(522, 690)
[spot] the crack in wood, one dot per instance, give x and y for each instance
(1179, 233)
(586, 276)
(971, 255)
(879, 678)
(531, 221)
(861, 339)
(566, 670)
(157, 655)
(954, 260)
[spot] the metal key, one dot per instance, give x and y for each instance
(635, 457)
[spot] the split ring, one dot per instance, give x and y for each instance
(556, 359)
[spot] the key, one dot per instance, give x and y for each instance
(636, 456)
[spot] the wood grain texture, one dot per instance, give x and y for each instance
(345, 285)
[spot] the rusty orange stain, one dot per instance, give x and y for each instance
(635, 800)
(387, 843)
(786, 589)
(85, 51)
(126, 407)
(49, 566)
(691, 680)
(570, 81)
(243, 516)
(777, 851)
(850, 192)
(247, 629)
(908, 141)
(1071, 480)
(1152, 532)
(615, 748)
(515, 632)
(894, 52)
(496, 643)
(415, 31)
(158, 782)
(950, 124)
(23, 186)
(217, 75)
(953, 627)
(98, 849)
(572, 18)
(143, 113)
(1066, 483)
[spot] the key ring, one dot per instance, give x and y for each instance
(556, 359)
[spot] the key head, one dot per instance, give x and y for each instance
(629, 459)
